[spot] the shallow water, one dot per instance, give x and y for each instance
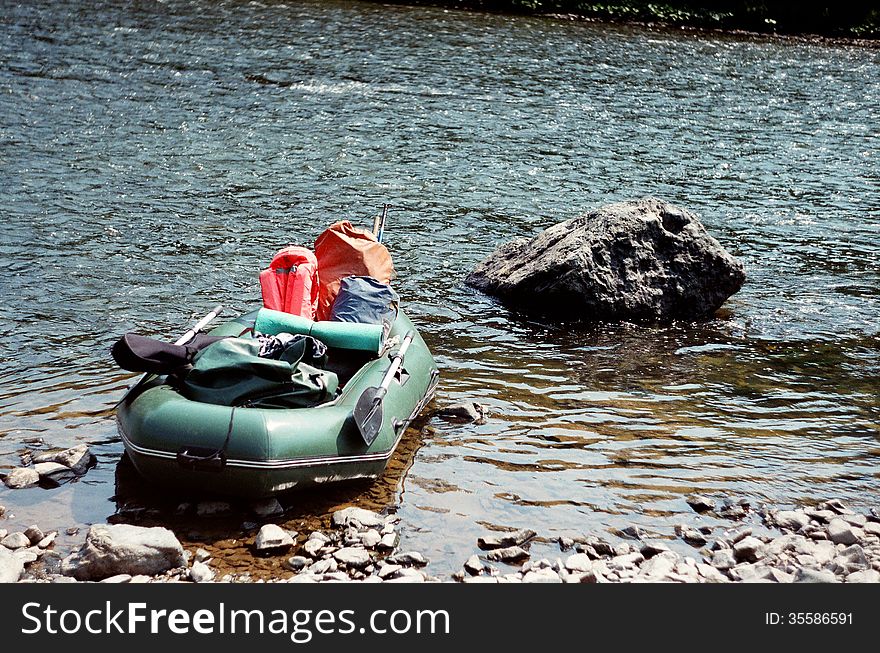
(154, 156)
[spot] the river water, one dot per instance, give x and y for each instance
(153, 156)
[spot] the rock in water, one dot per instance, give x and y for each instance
(115, 549)
(636, 260)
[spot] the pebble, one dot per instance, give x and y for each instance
(865, 576)
(723, 559)
(370, 538)
(806, 575)
(15, 540)
(201, 555)
(749, 549)
(388, 541)
(408, 559)
(579, 563)
(201, 573)
(791, 519)
(21, 477)
(34, 534)
(841, 532)
(118, 578)
(508, 554)
(352, 557)
(700, 503)
(77, 459)
(660, 565)
(388, 571)
(357, 516)
(543, 575)
(505, 540)
(48, 540)
(313, 546)
(296, 563)
(650, 549)
(272, 537)
(473, 565)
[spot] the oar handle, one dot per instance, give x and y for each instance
(201, 324)
(397, 361)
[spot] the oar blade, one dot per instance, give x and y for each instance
(368, 414)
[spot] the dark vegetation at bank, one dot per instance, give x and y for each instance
(840, 19)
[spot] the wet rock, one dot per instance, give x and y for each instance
(34, 534)
(268, 508)
(700, 503)
(77, 459)
(865, 576)
(272, 537)
(352, 557)
(467, 411)
(748, 549)
(835, 505)
(633, 532)
(643, 260)
(504, 540)
(690, 535)
(732, 511)
(356, 516)
(55, 472)
(543, 575)
(841, 532)
(805, 575)
(791, 519)
(15, 541)
(2, 512)
(473, 565)
(408, 559)
(123, 548)
(296, 563)
(21, 477)
(508, 554)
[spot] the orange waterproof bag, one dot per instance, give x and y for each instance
(344, 250)
(290, 283)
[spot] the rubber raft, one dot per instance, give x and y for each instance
(267, 451)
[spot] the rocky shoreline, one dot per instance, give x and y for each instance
(827, 543)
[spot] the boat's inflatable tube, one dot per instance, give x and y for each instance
(344, 335)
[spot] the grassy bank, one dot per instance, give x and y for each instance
(844, 18)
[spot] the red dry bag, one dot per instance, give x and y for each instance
(290, 283)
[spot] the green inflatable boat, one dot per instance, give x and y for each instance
(384, 380)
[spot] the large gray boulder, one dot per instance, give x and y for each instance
(110, 550)
(637, 260)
